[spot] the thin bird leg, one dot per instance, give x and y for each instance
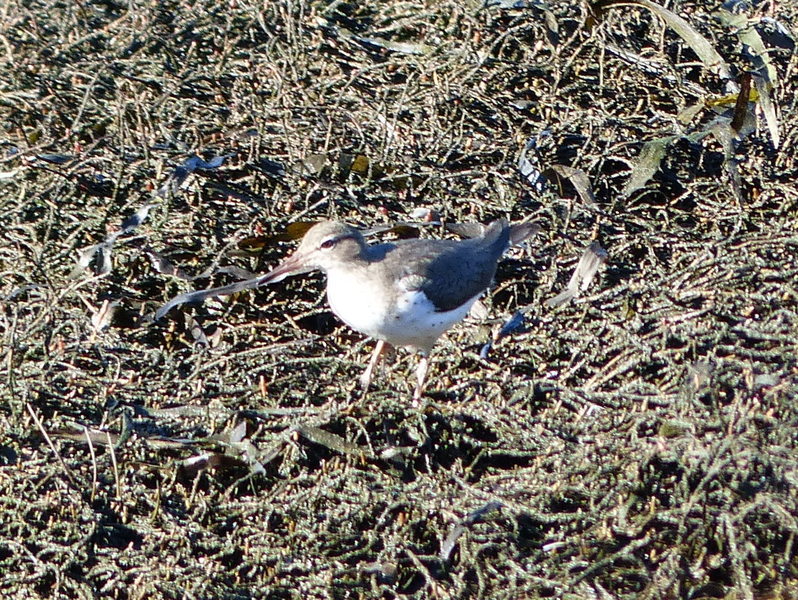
(421, 376)
(379, 349)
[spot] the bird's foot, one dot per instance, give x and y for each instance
(365, 380)
(376, 356)
(421, 377)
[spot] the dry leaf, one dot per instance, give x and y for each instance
(592, 258)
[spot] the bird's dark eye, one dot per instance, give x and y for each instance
(327, 244)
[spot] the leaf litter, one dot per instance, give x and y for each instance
(608, 442)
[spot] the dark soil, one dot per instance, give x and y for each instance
(638, 441)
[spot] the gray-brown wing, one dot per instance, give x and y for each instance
(454, 271)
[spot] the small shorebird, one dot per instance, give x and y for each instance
(404, 293)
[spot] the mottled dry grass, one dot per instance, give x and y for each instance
(639, 442)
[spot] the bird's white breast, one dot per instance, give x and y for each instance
(397, 315)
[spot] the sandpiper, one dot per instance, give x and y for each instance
(404, 293)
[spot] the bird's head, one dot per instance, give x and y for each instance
(325, 246)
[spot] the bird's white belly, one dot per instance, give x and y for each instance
(409, 319)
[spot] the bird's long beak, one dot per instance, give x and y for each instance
(293, 265)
